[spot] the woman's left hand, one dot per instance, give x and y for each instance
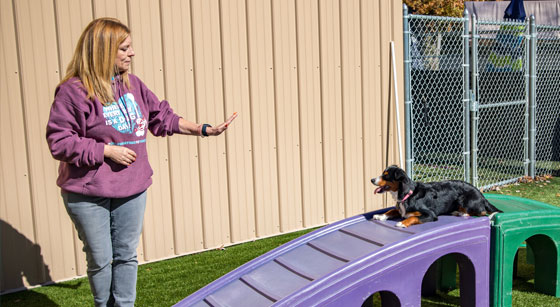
(222, 127)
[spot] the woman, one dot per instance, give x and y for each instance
(97, 129)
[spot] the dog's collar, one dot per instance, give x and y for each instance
(406, 197)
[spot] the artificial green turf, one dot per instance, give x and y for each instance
(164, 283)
(177, 278)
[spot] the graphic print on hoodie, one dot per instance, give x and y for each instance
(79, 128)
(125, 117)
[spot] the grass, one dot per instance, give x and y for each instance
(546, 190)
(437, 166)
(164, 283)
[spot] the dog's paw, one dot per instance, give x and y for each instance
(401, 225)
(380, 217)
(458, 213)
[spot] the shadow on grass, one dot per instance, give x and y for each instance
(441, 299)
(68, 286)
(31, 299)
(22, 265)
(35, 298)
(524, 285)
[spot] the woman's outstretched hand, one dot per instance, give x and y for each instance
(222, 127)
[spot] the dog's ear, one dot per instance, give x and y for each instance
(400, 175)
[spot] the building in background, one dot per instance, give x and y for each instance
(545, 12)
(310, 80)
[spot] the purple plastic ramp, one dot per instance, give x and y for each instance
(344, 263)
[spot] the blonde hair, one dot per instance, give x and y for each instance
(94, 58)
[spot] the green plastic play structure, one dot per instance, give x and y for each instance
(523, 221)
(530, 221)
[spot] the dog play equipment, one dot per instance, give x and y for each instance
(524, 220)
(344, 263)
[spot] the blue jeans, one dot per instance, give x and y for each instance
(110, 229)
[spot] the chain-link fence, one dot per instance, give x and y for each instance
(501, 95)
(548, 100)
(437, 76)
(481, 99)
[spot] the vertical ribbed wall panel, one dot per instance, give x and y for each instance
(387, 106)
(145, 25)
(391, 31)
(287, 117)
(352, 109)
(372, 87)
(310, 80)
(396, 34)
(331, 116)
(183, 150)
(111, 8)
(36, 36)
(236, 99)
(16, 214)
(263, 123)
(71, 18)
(209, 97)
(309, 98)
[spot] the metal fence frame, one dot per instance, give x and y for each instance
(484, 93)
(436, 68)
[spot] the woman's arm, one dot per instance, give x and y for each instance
(190, 128)
(163, 120)
(65, 135)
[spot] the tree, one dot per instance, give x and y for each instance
(436, 7)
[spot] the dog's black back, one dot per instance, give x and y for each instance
(429, 200)
(446, 197)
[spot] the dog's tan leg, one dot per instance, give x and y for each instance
(393, 213)
(461, 212)
(412, 219)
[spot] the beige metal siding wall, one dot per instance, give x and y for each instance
(310, 79)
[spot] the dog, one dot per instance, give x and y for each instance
(419, 202)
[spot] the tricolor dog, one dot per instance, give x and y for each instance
(419, 202)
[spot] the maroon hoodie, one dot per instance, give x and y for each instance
(78, 129)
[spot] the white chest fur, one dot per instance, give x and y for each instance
(400, 207)
(395, 195)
